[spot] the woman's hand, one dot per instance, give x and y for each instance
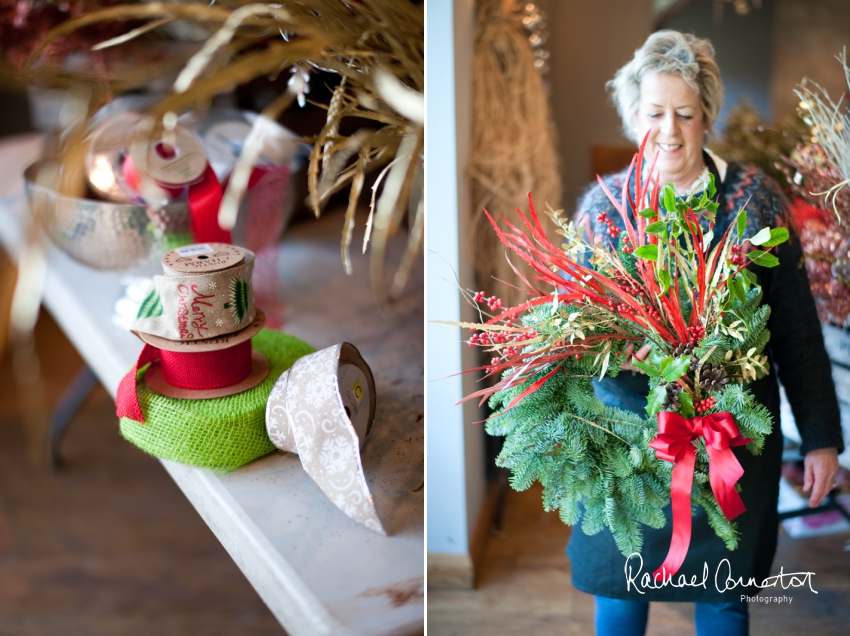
(640, 355)
(821, 467)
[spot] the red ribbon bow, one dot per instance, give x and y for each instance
(674, 443)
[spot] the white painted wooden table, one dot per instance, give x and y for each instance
(318, 571)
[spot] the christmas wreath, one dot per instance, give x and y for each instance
(659, 283)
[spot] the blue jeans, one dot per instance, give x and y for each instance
(615, 617)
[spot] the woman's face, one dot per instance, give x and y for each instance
(670, 111)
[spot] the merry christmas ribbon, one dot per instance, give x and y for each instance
(674, 443)
(196, 370)
(322, 409)
(197, 305)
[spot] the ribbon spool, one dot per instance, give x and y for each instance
(166, 166)
(322, 409)
(267, 206)
(219, 434)
(197, 322)
(125, 163)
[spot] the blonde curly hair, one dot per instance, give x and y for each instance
(680, 54)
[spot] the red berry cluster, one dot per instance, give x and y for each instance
(493, 302)
(737, 257)
(628, 286)
(627, 246)
(525, 335)
(705, 405)
(612, 230)
(696, 333)
(626, 311)
(482, 339)
(493, 364)
(653, 313)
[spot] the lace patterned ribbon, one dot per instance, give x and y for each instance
(322, 409)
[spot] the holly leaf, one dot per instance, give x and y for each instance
(664, 362)
(656, 357)
(656, 228)
(741, 222)
(648, 213)
(749, 276)
(647, 252)
(677, 229)
(649, 369)
(655, 399)
(777, 235)
(687, 405)
(761, 237)
(669, 197)
(763, 258)
(676, 369)
(664, 280)
(737, 288)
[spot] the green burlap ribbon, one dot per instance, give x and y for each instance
(221, 433)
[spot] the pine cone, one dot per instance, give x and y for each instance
(712, 378)
(671, 402)
(683, 350)
(694, 363)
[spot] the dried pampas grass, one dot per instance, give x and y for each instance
(377, 46)
(830, 124)
(513, 147)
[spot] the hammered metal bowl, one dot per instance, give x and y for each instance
(104, 235)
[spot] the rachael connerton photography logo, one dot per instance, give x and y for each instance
(724, 580)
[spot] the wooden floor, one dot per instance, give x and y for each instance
(107, 544)
(524, 587)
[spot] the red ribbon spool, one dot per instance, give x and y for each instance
(196, 371)
(206, 369)
(204, 196)
(674, 443)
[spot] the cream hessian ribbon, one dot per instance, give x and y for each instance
(322, 408)
(199, 305)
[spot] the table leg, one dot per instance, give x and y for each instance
(72, 399)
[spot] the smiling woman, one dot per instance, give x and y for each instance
(670, 93)
(669, 111)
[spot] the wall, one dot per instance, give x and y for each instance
(743, 46)
(807, 35)
(589, 41)
(455, 471)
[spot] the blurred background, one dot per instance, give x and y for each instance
(517, 103)
(95, 538)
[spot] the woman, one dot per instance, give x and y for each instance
(671, 90)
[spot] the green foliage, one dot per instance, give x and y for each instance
(594, 461)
